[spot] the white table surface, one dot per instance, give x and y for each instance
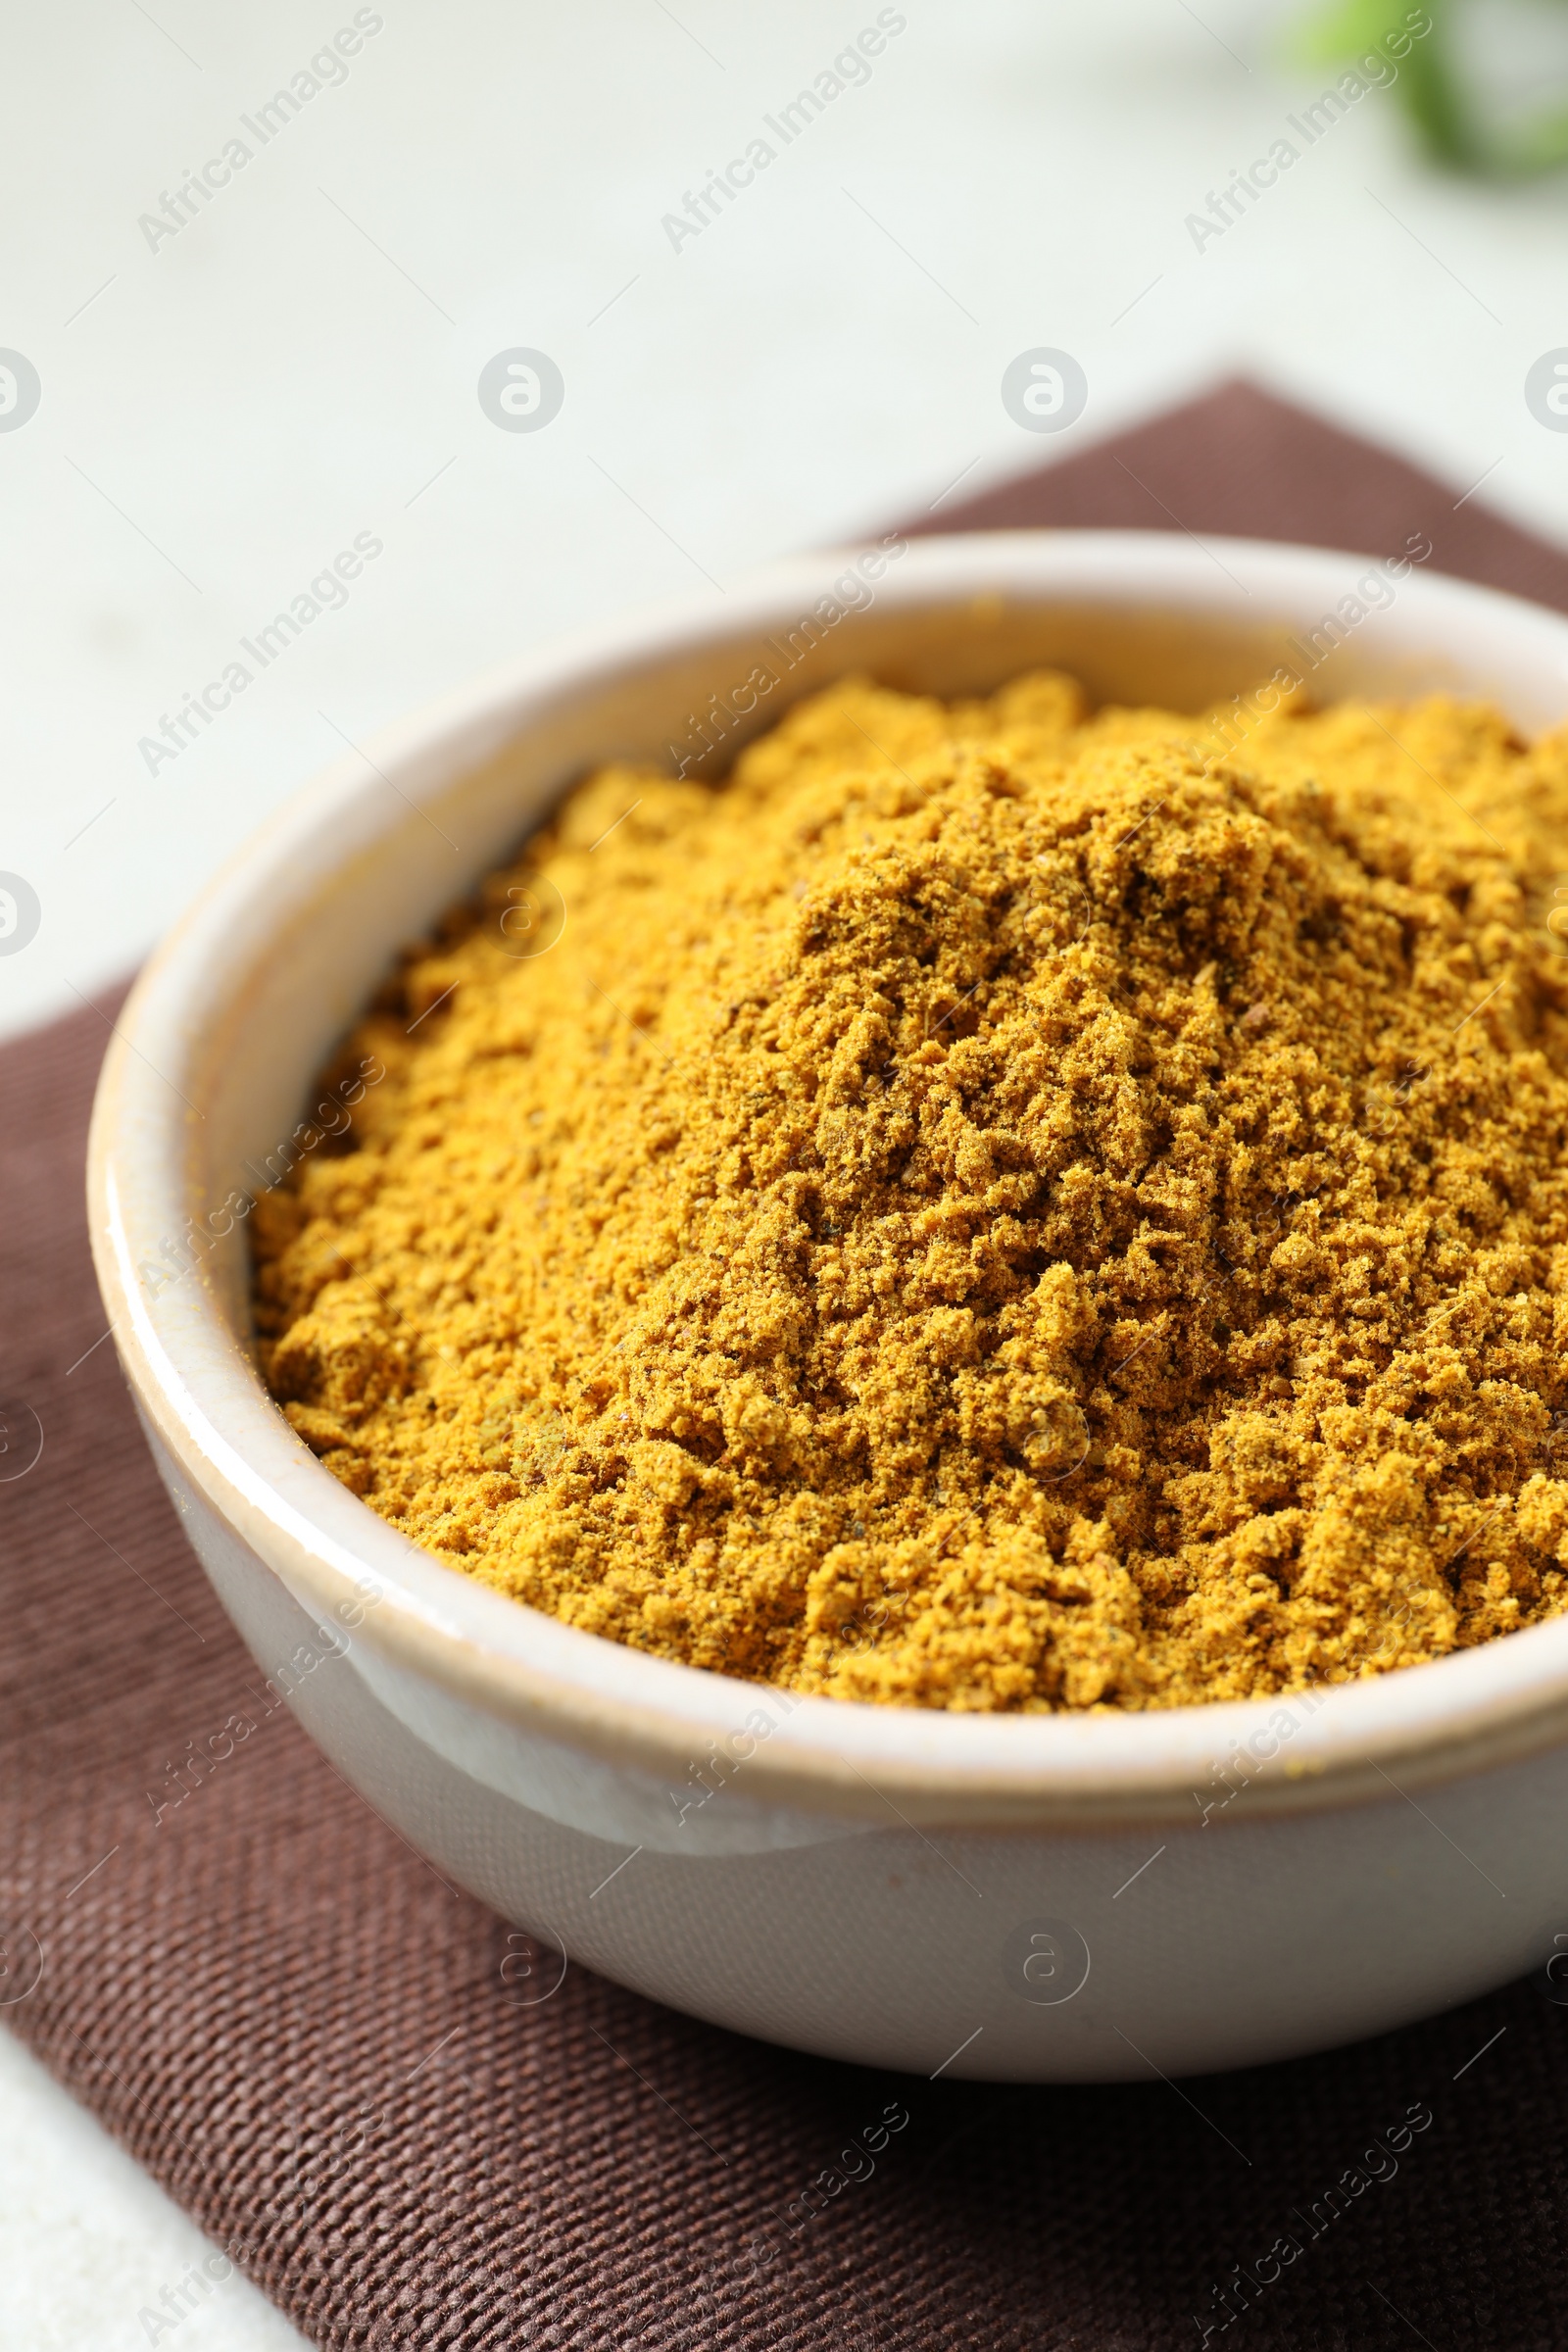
(222, 411)
(87, 2243)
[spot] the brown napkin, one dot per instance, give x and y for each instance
(1242, 464)
(324, 2053)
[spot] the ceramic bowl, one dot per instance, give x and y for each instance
(1032, 1898)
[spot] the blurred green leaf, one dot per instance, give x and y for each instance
(1432, 91)
(1337, 32)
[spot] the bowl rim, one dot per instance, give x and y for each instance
(1421, 1726)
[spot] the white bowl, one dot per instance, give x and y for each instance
(1029, 1897)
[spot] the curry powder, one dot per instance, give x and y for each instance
(994, 1206)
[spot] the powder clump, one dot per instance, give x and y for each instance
(993, 1208)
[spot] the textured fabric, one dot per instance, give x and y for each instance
(332, 2060)
(1242, 464)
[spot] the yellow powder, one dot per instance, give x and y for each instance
(992, 1208)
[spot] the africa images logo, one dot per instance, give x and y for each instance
(20, 390)
(522, 390)
(1546, 391)
(1045, 390)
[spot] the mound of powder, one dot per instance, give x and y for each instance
(993, 1208)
